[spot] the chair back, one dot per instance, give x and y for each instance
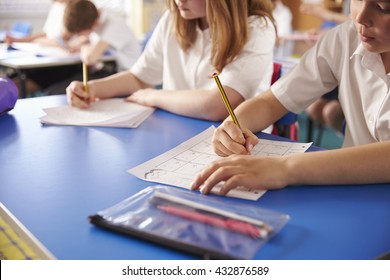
(21, 29)
(277, 72)
(286, 126)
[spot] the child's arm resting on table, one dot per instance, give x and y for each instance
(117, 85)
(356, 165)
(366, 164)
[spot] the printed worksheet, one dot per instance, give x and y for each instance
(179, 166)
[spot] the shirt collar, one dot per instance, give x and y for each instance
(369, 59)
(360, 51)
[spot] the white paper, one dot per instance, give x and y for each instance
(113, 112)
(179, 166)
(36, 49)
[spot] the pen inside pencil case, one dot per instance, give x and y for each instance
(204, 214)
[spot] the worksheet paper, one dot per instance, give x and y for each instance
(113, 112)
(179, 166)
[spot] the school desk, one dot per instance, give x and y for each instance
(53, 177)
(21, 61)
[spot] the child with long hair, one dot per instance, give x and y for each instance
(193, 40)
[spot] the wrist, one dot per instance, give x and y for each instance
(328, 16)
(60, 41)
(292, 171)
(92, 89)
(152, 99)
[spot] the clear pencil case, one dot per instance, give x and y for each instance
(210, 226)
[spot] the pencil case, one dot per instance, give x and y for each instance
(212, 227)
(8, 95)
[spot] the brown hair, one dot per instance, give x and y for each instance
(80, 15)
(228, 23)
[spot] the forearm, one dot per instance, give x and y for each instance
(27, 39)
(201, 104)
(48, 42)
(195, 104)
(355, 165)
(336, 17)
(117, 85)
(258, 113)
(90, 54)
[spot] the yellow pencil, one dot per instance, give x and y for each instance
(85, 77)
(226, 100)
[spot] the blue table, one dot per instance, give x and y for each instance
(52, 178)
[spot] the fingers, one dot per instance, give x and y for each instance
(228, 139)
(226, 170)
(228, 175)
(146, 97)
(77, 97)
(209, 177)
(233, 182)
(130, 98)
(251, 140)
(8, 40)
(135, 98)
(222, 174)
(225, 146)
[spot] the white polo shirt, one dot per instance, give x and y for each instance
(164, 62)
(283, 17)
(340, 59)
(54, 22)
(114, 30)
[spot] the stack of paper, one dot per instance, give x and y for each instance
(109, 112)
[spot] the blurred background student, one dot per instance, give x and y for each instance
(330, 18)
(105, 32)
(193, 40)
(53, 34)
(327, 111)
(283, 18)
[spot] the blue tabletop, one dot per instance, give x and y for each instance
(53, 177)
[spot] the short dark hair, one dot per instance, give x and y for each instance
(80, 15)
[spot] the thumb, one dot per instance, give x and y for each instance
(251, 140)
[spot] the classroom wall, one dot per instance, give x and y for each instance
(305, 22)
(32, 11)
(141, 15)
(146, 15)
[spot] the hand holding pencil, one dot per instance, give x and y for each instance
(79, 93)
(239, 141)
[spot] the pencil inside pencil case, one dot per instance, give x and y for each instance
(209, 215)
(213, 227)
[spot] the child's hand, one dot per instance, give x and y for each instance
(229, 139)
(78, 97)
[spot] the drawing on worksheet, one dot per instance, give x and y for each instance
(179, 166)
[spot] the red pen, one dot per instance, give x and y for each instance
(231, 224)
